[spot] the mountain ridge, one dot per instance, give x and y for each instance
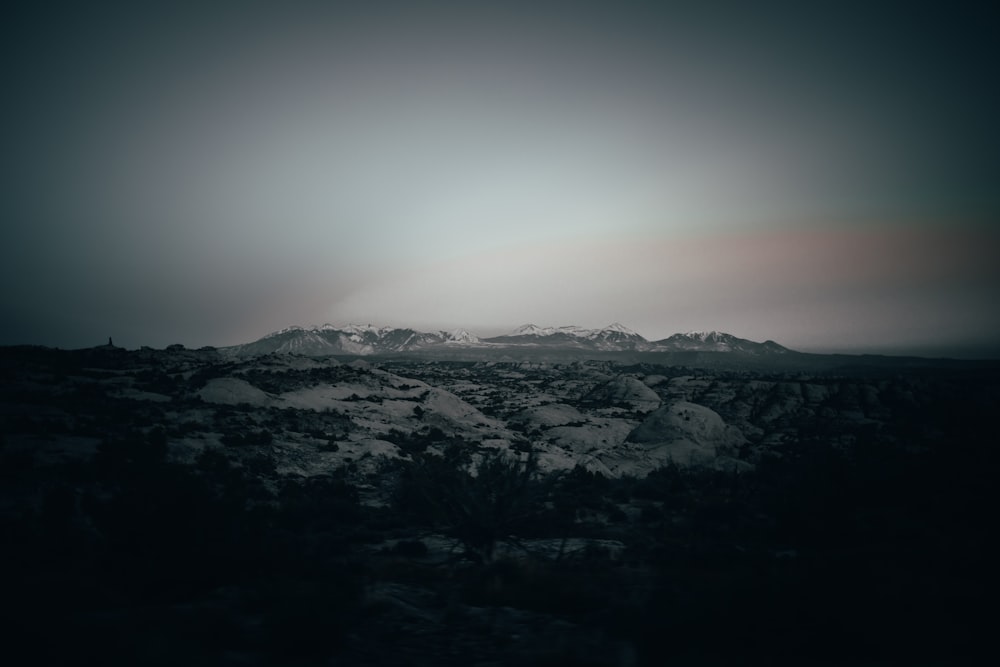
(369, 340)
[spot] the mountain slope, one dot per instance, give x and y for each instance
(351, 339)
(716, 341)
(365, 340)
(614, 337)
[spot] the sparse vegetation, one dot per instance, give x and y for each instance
(479, 503)
(144, 531)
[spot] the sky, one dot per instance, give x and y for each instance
(819, 174)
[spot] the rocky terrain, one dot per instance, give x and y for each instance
(241, 506)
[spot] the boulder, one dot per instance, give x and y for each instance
(623, 390)
(687, 434)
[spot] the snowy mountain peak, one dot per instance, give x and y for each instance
(716, 341)
(572, 330)
(461, 336)
(614, 337)
(705, 335)
(367, 339)
(357, 328)
(530, 330)
(620, 328)
(286, 330)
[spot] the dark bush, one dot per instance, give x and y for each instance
(479, 506)
(410, 548)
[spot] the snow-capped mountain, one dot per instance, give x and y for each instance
(716, 341)
(355, 339)
(612, 337)
(350, 339)
(619, 335)
(461, 336)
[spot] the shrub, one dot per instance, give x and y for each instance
(410, 549)
(478, 505)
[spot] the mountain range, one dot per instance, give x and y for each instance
(365, 340)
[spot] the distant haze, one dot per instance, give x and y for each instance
(821, 176)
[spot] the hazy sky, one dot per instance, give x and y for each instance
(821, 174)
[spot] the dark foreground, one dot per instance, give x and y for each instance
(873, 549)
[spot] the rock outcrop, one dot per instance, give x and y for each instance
(686, 434)
(623, 390)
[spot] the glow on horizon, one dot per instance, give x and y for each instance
(206, 177)
(803, 289)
